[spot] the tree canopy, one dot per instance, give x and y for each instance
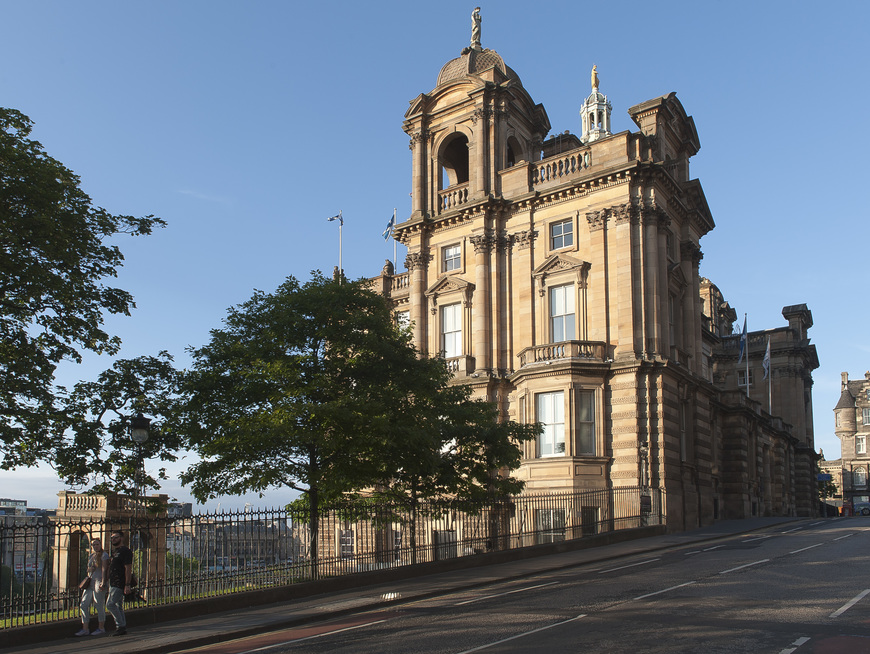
(315, 388)
(56, 253)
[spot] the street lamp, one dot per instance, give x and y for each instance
(139, 427)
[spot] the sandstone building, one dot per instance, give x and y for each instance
(559, 276)
(852, 427)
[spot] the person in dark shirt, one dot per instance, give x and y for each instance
(120, 576)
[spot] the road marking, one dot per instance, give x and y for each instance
(510, 592)
(804, 549)
(659, 592)
(813, 524)
(321, 635)
(527, 633)
(756, 538)
(715, 547)
(848, 605)
(842, 537)
(740, 567)
(795, 645)
(791, 530)
(692, 552)
(633, 565)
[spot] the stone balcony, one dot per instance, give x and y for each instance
(565, 351)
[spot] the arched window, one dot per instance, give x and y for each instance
(859, 477)
(454, 161)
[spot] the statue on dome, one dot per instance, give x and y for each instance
(475, 28)
(594, 77)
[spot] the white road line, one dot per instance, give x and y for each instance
(659, 592)
(740, 567)
(848, 605)
(715, 547)
(756, 538)
(527, 633)
(795, 645)
(692, 552)
(510, 592)
(804, 549)
(633, 565)
(842, 537)
(791, 530)
(813, 524)
(325, 633)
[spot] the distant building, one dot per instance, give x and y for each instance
(852, 427)
(559, 277)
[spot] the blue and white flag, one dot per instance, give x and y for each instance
(338, 218)
(765, 363)
(389, 230)
(742, 342)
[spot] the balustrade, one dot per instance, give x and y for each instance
(452, 197)
(565, 350)
(561, 167)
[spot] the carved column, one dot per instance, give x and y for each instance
(419, 176)
(481, 318)
(417, 263)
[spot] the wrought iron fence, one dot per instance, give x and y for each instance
(178, 559)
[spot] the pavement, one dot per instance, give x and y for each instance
(177, 635)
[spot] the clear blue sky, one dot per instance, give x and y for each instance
(246, 124)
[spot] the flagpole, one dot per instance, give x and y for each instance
(769, 380)
(395, 263)
(746, 333)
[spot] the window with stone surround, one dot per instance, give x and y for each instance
(860, 444)
(585, 410)
(346, 543)
(403, 319)
(451, 258)
(859, 477)
(451, 330)
(741, 377)
(562, 313)
(550, 525)
(550, 412)
(866, 416)
(561, 234)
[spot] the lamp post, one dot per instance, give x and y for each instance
(139, 427)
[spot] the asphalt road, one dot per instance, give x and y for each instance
(796, 588)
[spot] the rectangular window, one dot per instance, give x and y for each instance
(345, 542)
(561, 235)
(450, 258)
(585, 422)
(451, 330)
(551, 525)
(741, 377)
(550, 409)
(403, 319)
(866, 416)
(860, 444)
(562, 313)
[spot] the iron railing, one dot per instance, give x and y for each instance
(179, 559)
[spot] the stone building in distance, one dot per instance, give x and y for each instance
(559, 276)
(852, 427)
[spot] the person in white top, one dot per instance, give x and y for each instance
(95, 590)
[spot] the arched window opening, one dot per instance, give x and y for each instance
(514, 152)
(454, 162)
(860, 477)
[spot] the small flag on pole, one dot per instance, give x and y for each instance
(338, 218)
(742, 342)
(765, 363)
(389, 230)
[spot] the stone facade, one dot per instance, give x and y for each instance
(852, 427)
(559, 276)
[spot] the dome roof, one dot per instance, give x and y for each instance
(473, 62)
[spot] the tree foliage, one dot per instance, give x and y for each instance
(315, 388)
(93, 445)
(55, 257)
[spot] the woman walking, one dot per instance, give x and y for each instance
(95, 591)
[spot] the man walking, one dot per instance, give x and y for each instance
(120, 576)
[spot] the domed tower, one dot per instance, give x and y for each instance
(475, 123)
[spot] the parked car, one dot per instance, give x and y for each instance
(861, 508)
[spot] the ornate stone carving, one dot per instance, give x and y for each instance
(522, 240)
(416, 260)
(483, 242)
(691, 252)
(418, 137)
(597, 220)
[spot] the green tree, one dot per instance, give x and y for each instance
(294, 392)
(56, 253)
(93, 445)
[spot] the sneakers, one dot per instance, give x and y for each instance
(120, 631)
(97, 632)
(83, 632)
